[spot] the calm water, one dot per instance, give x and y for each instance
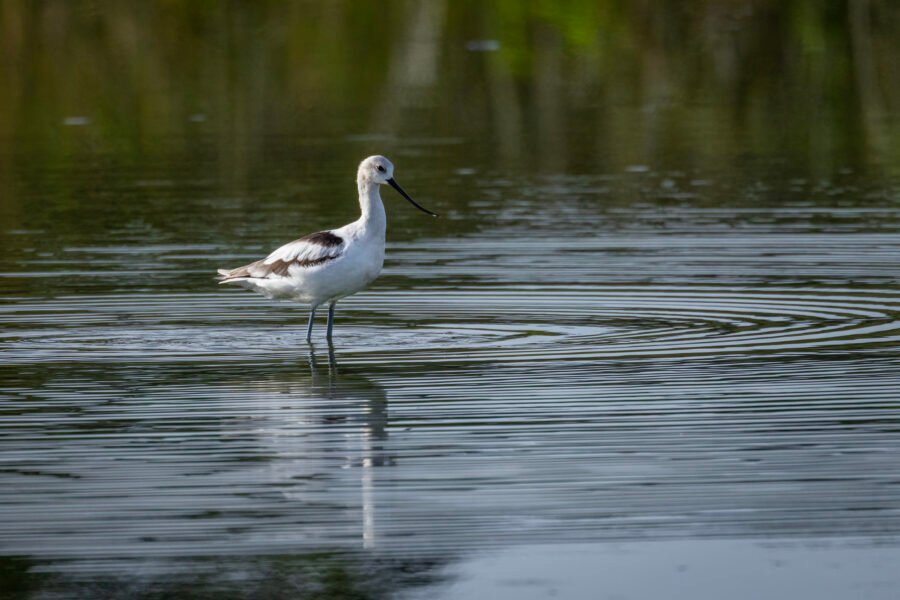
(675, 354)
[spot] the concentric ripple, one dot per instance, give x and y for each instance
(597, 322)
(505, 324)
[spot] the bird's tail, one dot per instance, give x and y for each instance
(229, 275)
(235, 275)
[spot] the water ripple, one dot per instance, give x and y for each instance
(503, 324)
(680, 371)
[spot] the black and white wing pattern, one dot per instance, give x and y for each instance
(309, 251)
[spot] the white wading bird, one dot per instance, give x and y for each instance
(328, 265)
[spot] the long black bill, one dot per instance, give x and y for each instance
(397, 187)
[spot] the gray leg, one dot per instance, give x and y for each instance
(312, 318)
(330, 319)
(313, 364)
(332, 361)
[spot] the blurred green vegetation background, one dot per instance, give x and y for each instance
(547, 85)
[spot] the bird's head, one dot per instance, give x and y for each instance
(376, 169)
(379, 170)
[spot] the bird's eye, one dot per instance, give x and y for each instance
(380, 168)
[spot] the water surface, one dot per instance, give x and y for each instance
(674, 352)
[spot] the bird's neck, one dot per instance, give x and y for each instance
(373, 217)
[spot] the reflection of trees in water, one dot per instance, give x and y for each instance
(319, 576)
(710, 81)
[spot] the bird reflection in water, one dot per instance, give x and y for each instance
(323, 433)
(332, 386)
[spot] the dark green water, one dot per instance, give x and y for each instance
(655, 330)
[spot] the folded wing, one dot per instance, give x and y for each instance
(309, 251)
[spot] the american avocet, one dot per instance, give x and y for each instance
(326, 266)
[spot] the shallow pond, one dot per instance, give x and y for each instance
(600, 362)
